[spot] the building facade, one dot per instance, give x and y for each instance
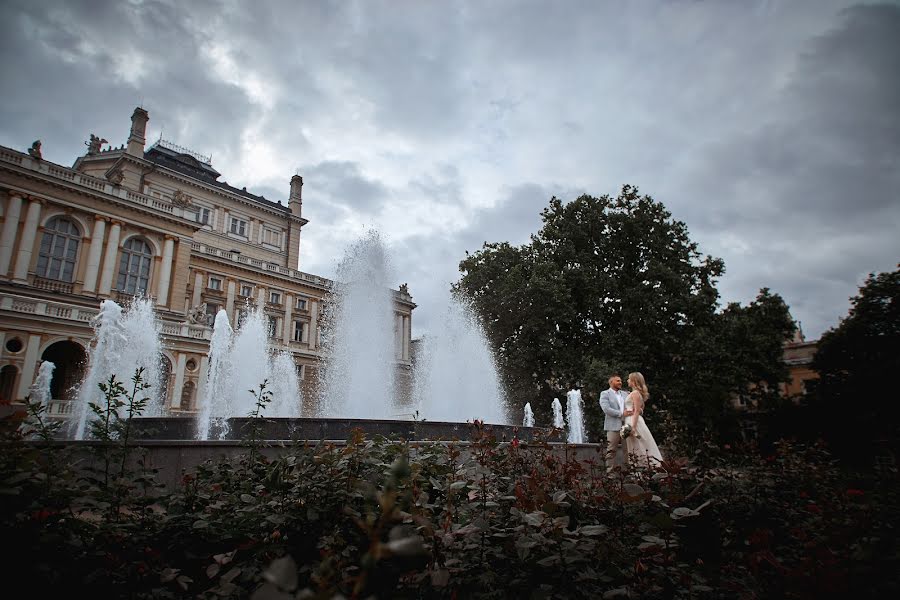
(157, 222)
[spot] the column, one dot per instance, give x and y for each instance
(406, 335)
(109, 260)
(288, 322)
(313, 323)
(250, 228)
(10, 228)
(179, 381)
(29, 368)
(261, 296)
(201, 385)
(165, 273)
(93, 260)
(229, 302)
(26, 245)
(198, 288)
(225, 224)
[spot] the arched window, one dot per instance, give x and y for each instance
(59, 249)
(8, 383)
(134, 267)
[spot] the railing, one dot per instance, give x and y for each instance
(33, 306)
(94, 183)
(52, 285)
(260, 264)
(60, 409)
(197, 332)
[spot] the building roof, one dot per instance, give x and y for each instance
(188, 163)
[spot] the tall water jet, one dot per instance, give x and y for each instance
(214, 405)
(528, 421)
(285, 386)
(124, 341)
(358, 337)
(575, 417)
(238, 363)
(558, 420)
(40, 389)
(455, 375)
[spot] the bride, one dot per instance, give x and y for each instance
(640, 444)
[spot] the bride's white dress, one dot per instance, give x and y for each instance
(643, 448)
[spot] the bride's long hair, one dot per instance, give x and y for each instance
(639, 384)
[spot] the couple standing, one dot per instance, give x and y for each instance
(627, 434)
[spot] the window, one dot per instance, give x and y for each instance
(203, 215)
(300, 371)
(246, 290)
(14, 345)
(215, 283)
(301, 303)
(272, 237)
(211, 311)
(273, 326)
(134, 267)
(8, 383)
(238, 227)
(300, 331)
(275, 297)
(59, 248)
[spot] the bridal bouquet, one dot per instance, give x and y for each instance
(626, 431)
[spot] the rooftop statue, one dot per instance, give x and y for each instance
(35, 150)
(94, 144)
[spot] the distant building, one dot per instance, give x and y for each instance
(153, 222)
(798, 356)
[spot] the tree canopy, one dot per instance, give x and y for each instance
(617, 284)
(857, 362)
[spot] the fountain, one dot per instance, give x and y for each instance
(40, 389)
(528, 421)
(455, 377)
(558, 421)
(358, 337)
(454, 381)
(238, 363)
(575, 417)
(124, 341)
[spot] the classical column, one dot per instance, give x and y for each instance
(28, 369)
(313, 323)
(165, 273)
(406, 335)
(26, 245)
(93, 260)
(229, 302)
(225, 224)
(288, 323)
(201, 385)
(198, 288)
(109, 260)
(10, 228)
(179, 381)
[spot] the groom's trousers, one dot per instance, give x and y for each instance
(615, 450)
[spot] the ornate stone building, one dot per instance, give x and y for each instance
(156, 222)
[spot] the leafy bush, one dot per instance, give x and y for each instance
(386, 518)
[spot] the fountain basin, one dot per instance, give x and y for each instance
(300, 428)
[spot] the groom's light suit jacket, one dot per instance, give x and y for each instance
(612, 410)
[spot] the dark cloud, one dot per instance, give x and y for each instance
(771, 128)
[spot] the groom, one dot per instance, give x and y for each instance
(612, 401)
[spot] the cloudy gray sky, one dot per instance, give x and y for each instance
(772, 128)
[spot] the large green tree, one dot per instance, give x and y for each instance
(858, 362)
(617, 284)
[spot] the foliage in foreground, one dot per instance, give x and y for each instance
(388, 519)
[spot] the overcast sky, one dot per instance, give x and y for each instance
(772, 128)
